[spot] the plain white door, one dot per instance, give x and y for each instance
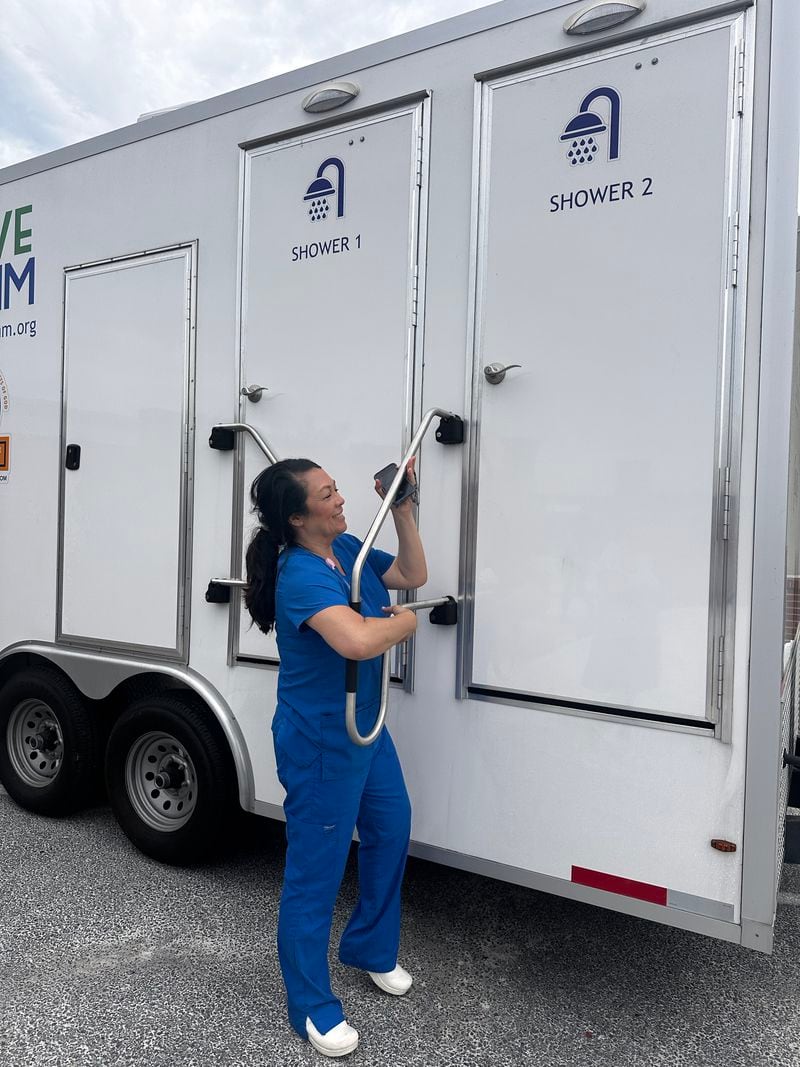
(126, 353)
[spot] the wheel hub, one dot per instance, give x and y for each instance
(161, 781)
(35, 743)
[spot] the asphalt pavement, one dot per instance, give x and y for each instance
(108, 959)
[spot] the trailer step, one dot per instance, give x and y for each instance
(791, 852)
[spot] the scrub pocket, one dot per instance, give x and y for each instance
(341, 758)
(291, 742)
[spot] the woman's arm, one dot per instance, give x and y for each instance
(356, 637)
(409, 570)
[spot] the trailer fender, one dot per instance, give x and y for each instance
(97, 674)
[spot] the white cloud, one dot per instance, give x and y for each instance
(70, 69)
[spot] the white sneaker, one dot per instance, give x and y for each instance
(396, 982)
(340, 1041)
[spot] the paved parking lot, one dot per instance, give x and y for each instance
(110, 960)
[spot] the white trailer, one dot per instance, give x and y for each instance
(600, 196)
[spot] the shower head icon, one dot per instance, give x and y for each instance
(582, 130)
(322, 188)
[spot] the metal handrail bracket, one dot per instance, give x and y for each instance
(244, 427)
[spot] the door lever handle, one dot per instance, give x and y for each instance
(253, 392)
(494, 373)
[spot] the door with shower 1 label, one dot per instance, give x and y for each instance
(329, 297)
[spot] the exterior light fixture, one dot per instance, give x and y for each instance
(602, 15)
(329, 96)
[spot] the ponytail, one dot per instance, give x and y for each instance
(276, 495)
(261, 563)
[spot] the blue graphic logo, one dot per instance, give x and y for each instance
(582, 131)
(321, 189)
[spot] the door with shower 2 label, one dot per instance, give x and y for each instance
(329, 309)
(597, 560)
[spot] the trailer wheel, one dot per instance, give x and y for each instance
(49, 748)
(170, 779)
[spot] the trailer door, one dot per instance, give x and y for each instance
(126, 458)
(606, 268)
(330, 267)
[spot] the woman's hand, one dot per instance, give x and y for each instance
(356, 636)
(399, 609)
(404, 508)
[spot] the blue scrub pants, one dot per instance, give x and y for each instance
(321, 813)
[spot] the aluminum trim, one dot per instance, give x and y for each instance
(268, 811)
(561, 887)
(189, 423)
(770, 325)
(715, 909)
(237, 493)
(466, 564)
(306, 131)
(97, 674)
(702, 728)
(474, 387)
(595, 43)
(742, 151)
(552, 700)
(403, 656)
(722, 555)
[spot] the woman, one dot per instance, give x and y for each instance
(299, 565)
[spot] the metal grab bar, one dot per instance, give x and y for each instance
(423, 605)
(351, 665)
(350, 706)
(243, 427)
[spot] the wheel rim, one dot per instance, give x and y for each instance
(35, 743)
(161, 781)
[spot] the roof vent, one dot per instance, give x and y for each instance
(329, 96)
(602, 15)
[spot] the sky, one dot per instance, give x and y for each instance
(72, 69)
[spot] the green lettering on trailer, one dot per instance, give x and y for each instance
(19, 233)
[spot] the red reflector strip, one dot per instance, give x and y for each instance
(626, 887)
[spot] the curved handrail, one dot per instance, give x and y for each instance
(351, 668)
(244, 427)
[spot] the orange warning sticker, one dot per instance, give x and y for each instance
(5, 457)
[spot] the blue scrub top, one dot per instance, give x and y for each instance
(311, 678)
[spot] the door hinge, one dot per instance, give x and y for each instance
(735, 250)
(739, 78)
(414, 295)
(720, 670)
(419, 157)
(726, 503)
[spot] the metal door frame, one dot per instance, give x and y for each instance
(418, 106)
(722, 559)
(180, 652)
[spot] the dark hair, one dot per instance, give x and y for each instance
(276, 494)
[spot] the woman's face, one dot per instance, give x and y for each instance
(324, 519)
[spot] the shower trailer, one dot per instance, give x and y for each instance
(556, 243)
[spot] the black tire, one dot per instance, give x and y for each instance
(170, 778)
(49, 745)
